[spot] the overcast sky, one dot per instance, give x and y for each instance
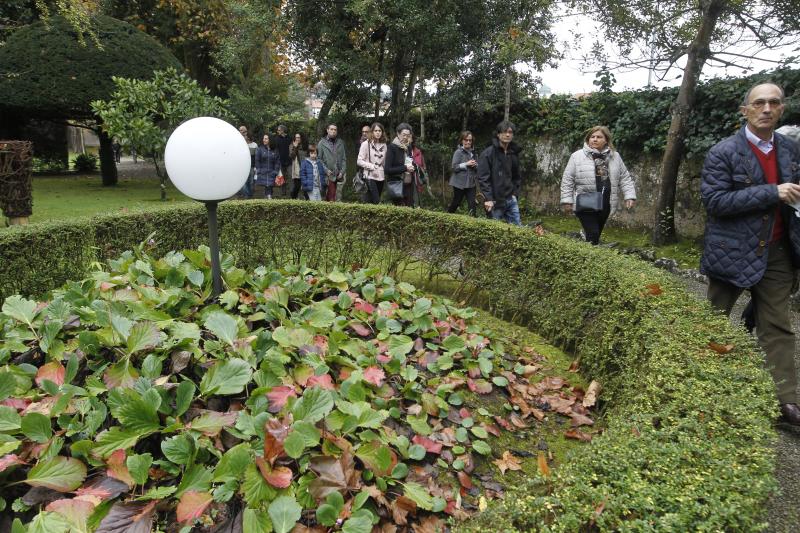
(568, 78)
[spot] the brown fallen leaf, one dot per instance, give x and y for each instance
(507, 462)
(400, 508)
(544, 468)
(577, 434)
(721, 348)
(574, 366)
(654, 289)
(429, 524)
(465, 480)
(590, 398)
(581, 420)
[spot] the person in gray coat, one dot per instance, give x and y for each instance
(596, 167)
(464, 179)
(333, 156)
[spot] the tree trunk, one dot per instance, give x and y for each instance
(108, 164)
(664, 229)
(162, 178)
(398, 75)
(465, 117)
(507, 105)
(422, 123)
(409, 98)
(379, 79)
(333, 94)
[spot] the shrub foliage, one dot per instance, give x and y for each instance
(688, 444)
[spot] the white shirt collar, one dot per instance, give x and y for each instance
(761, 144)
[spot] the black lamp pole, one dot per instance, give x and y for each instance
(213, 234)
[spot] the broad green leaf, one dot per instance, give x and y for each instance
(454, 343)
(195, 478)
(144, 336)
(9, 419)
(337, 277)
(179, 449)
(419, 424)
(226, 378)
(369, 292)
(121, 325)
(294, 445)
(139, 466)
(20, 309)
(309, 431)
(233, 463)
(314, 405)
(60, 473)
(255, 521)
(185, 330)
(400, 345)
(7, 385)
(479, 432)
(419, 495)
(322, 316)
(223, 326)
(293, 336)
(47, 334)
(500, 381)
(255, 488)
(184, 394)
(416, 452)
(284, 512)
(376, 456)
(421, 306)
(359, 523)
(37, 427)
(400, 471)
(139, 413)
(114, 439)
(482, 447)
(46, 522)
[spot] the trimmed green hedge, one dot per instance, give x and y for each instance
(688, 444)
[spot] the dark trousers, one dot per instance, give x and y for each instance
(594, 222)
(296, 190)
(330, 191)
(458, 197)
(374, 191)
(773, 327)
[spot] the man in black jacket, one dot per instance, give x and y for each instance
(499, 177)
(282, 143)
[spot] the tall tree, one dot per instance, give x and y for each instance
(659, 35)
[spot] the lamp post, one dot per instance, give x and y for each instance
(208, 160)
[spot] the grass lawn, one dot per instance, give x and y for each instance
(686, 252)
(63, 197)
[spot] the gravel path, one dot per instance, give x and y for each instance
(784, 507)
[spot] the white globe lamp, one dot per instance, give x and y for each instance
(208, 160)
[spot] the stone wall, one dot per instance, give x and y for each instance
(543, 190)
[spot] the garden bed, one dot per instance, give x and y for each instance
(688, 409)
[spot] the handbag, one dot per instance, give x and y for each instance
(589, 202)
(395, 189)
(280, 180)
(358, 181)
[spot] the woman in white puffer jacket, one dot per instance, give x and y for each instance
(597, 167)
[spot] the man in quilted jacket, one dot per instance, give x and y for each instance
(752, 237)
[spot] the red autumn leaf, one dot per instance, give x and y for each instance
(360, 329)
(321, 342)
(76, 511)
(325, 381)
(10, 459)
(106, 286)
(430, 445)
(384, 358)
(508, 462)
(192, 505)
(16, 403)
(721, 348)
(274, 437)
(52, 371)
(480, 386)
(133, 517)
(117, 468)
(103, 487)
(279, 477)
(361, 305)
(464, 413)
(465, 480)
(491, 428)
(278, 397)
(374, 375)
(505, 424)
(577, 435)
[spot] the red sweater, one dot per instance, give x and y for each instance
(769, 164)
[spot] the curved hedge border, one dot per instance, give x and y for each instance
(688, 444)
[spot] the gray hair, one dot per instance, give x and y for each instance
(746, 99)
(504, 126)
(403, 126)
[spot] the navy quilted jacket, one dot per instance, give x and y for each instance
(741, 209)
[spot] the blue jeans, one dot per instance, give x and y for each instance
(247, 188)
(508, 212)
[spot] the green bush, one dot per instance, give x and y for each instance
(85, 162)
(688, 444)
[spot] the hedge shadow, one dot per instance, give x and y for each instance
(689, 436)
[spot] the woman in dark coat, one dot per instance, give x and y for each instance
(399, 166)
(268, 164)
(297, 154)
(464, 179)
